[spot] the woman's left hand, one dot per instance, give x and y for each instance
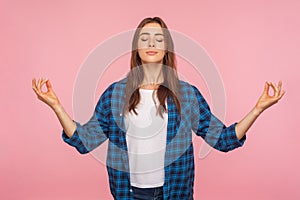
(265, 100)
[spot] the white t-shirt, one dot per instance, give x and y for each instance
(146, 141)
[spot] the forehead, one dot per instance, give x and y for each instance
(151, 28)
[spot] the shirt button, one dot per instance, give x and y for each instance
(130, 190)
(120, 114)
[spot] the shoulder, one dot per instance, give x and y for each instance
(189, 94)
(192, 94)
(114, 90)
(187, 87)
(116, 86)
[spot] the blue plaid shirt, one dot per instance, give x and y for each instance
(107, 122)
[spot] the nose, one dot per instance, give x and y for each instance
(151, 43)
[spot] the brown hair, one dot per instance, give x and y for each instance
(170, 86)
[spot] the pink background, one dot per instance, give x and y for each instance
(250, 41)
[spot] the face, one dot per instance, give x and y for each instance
(151, 44)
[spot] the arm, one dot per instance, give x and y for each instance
(264, 102)
(65, 120)
(50, 98)
(90, 135)
(83, 137)
(210, 128)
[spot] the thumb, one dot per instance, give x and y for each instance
(48, 84)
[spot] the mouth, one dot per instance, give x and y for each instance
(151, 53)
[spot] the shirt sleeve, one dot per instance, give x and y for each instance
(210, 128)
(88, 136)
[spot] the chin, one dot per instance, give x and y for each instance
(151, 61)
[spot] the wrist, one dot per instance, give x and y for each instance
(257, 111)
(57, 108)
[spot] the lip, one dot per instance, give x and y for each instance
(151, 52)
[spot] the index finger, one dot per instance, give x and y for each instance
(275, 89)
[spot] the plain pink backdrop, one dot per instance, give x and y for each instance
(250, 41)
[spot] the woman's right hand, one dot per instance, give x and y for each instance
(49, 97)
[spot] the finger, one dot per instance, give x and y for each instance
(34, 85)
(48, 84)
(35, 90)
(281, 94)
(277, 93)
(266, 88)
(275, 89)
(42, 83)
(39, 85)
(279, 86)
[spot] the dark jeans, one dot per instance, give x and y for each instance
(148, 193)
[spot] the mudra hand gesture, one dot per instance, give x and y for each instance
(49, 97)
(265, 100)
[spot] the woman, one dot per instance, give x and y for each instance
(148, 117)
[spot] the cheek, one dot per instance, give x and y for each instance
(162, 54)
(142, 54)
(160, 45)
(142, 45)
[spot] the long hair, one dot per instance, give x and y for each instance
(170, 86)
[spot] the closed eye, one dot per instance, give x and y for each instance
(158, 40)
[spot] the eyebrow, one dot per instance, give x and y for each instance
(154, 34)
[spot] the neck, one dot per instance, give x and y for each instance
(152, 73)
